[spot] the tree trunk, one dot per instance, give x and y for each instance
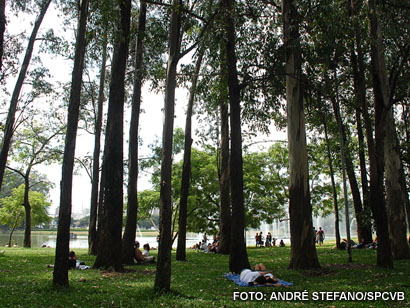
(27, 208)
(365, 216)
(9, 128)
(303, 250)
(336, 108)
(224, 183)
(396, 193)
(128, 250)
(163, 273)
(332, 178)
(109, 254)
(354, 188)
(223, 170)
(92, 230)
(186, 167)
(381, 95)
(60, 274)
(2, 29)
(238, 256)
(405, 117)
(360, 90)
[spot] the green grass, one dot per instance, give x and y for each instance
(26, 281)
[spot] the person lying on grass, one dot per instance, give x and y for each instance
(260, 275)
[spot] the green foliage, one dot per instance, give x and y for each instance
(265, 177)
(12, 209)
(25, 281)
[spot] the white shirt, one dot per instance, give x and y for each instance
(249, 276)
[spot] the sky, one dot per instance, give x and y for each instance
(151, 121)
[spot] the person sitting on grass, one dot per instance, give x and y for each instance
(259, 276)
(72, 260)
(139, 257)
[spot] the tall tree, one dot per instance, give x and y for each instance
(3, 22)
(303, 250)
(223, 163)
(9, 128)
(60, 274)
(112, 210)
(92, 229)
(186, 166)
(359, 84)
(383, 112)
(238, 256)
(332, 178)
(128, 250)
(163, 274)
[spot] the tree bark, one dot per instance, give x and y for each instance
(303, 250)
(3, 22)
(186, 167)
(27, 207)
(360, 90)
(332, 178)
(365, 216)
(396, 193)
(92, 230)
(354, 188)
(128, 250)
(238, 256)
(381, 95)
(163, 273)
(9, 128)
(60, 274)
(223, 170)
(224, 183)
(109, 254)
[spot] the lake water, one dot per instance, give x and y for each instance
(38, 240)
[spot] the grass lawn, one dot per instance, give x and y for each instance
(26, 281)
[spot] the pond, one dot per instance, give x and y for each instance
(81, 240)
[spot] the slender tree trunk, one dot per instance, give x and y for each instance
(224, 183)
(336, 108)
(381, 95)
(100, 208)
(60, 274)
(396, 193)
(128, 250)
(27, 207)
(238, 256)
(405, 117)
(303, 250)
(109, 254)
(3, 22)
(186, 167)
(9, 128)
(332, 178)
(92, 230)
(223, 170)
(365, 214)
(360, 90)
(354, 188)
(163, 273)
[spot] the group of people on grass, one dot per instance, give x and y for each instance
(211, 247)
(269, 240)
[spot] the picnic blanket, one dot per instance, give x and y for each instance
(235, 278)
